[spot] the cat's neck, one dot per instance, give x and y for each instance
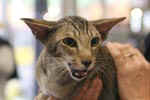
(90, 90)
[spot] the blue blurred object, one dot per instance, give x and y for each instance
(147, 47)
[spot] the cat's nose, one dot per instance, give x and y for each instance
(86, 63)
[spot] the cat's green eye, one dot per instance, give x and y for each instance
(94, 41)
(70, 42)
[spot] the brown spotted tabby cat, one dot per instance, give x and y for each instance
(73, 57)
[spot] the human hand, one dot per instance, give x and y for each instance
(85, 93)
(133, 72)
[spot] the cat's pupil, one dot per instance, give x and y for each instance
(69, 41)
(94, 41)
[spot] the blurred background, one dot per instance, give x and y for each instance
(19, 49)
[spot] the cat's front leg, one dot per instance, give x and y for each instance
(41, 96)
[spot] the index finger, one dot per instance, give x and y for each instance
(114, 49)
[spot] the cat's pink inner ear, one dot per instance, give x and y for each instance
(105, 25)
(38, 28)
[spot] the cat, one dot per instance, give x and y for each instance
(73, 53)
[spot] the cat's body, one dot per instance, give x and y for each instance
(74, 54)
(63, 86)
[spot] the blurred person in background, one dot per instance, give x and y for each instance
(7, 65)
(147, 47)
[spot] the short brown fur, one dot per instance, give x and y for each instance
(70, 44)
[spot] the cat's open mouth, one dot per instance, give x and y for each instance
(79, 73)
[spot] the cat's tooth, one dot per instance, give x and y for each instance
(77, 74)
(85, 73)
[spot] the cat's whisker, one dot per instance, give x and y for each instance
(59, 69)
(63, 73)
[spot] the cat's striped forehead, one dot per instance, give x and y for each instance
(78, 26)
(77, 22)
(74, 19)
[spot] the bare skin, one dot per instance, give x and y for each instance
(133, 72)
(85, 92)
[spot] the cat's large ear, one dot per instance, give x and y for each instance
(105, 25)
(40, 28)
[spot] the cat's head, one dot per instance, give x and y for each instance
(73, 39)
